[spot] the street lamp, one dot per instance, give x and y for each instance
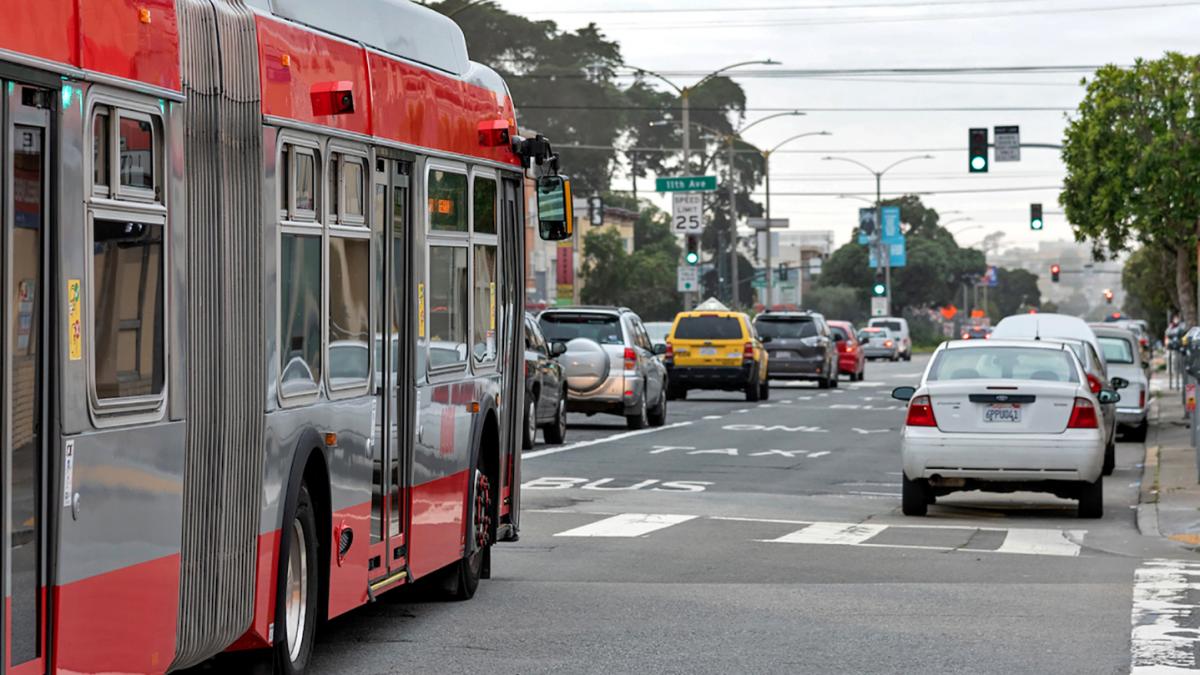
(685, 94)
(881, 251)
(729, 140)
(766, 155)
(967, 229)
(955, 220)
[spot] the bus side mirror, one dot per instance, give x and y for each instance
(555, 213)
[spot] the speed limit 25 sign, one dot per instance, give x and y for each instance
(687, 213)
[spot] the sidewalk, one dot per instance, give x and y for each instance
(1169, 499)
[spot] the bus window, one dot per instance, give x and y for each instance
(484, 331)
(349, 317)
(129, 316)
(447, 301)
(299, 314)
(447, 201)
(353, 185)
(101, 156)
(137, 152)
(485, 206)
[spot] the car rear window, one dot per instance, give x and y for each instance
(838, 331)
(1003, 363)
(787, 328)
(602, 328)
(893, 326)
(708, 328)
(1116, 350)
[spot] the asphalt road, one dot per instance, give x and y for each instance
(768, 538)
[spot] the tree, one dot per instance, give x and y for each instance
(643, 280)
(1149, 282)
(1132, 153)
(843, 303)
(1016, 291)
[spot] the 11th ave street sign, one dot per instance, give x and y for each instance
(686, 184)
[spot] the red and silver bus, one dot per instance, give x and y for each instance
(261, 272)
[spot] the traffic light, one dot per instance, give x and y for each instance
(1035, 217)
(1108, 295)
(692, 253)
(977, 144)
(879, 289)
(783, 271)
(595, 210)
(1054, 271)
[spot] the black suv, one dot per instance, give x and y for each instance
(800, 345)
(545, 387)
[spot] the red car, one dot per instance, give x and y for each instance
(851, 360)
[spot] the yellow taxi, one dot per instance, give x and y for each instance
(716, 349)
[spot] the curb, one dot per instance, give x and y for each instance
(1147, 507)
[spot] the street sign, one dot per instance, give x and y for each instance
(686, 184)
(765, 224)
(991, 278)
(879, 306)
(890, 223)
(897, 254)
(1008, 144)
(687, 278)
(687, 212)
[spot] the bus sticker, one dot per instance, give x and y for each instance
(421, 310)
(74, 324)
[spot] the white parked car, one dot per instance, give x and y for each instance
(1003, 416)
(1122, 352)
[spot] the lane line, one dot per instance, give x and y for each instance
(626, 525)
(711, 417)
(1041, 542)
(814, 455)
(846, 534)
(597, 441)
(1164, 621)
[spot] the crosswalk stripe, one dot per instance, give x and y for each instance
(831, 533)
(1164, 620)
(627, 525)
(1040, 542)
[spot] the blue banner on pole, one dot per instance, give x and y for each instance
(890, 223)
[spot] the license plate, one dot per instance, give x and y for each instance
(1002, 413)
(708, 351)
(782, 355)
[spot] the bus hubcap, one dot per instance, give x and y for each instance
(483, 510)
(296, 607)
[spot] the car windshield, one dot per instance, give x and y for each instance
(563, 327)
(890, 325)
(787, 328)
(708, 327)
(869, 333)
(658, 331)
(1116, 350)
(1003, 363)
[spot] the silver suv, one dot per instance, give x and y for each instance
(610, 364)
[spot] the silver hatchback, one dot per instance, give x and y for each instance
(611, 365)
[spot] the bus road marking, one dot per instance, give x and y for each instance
(626, 525)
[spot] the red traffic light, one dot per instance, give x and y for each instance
(1054, 272)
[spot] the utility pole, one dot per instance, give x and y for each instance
(733, 247)
(767, 175)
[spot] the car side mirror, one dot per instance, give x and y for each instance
(1107, 396)
(558, 348)
(660, 348)
(904, 393)
(555, 213)
(1119, 383)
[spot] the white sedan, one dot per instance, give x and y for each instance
(1003, 416)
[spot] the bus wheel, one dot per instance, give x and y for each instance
(296, 616)
(462, 579)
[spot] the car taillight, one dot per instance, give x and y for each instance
(920, 413)
(526, 369)
(748, 351)
(630, 359)
(1141, 398)
(1143, 342)
(966, 336)
(670, 354)
(1094, 384)
(987, 336)
(849, 349)
(887, 343)
(1083, 415)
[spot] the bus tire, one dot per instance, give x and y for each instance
(461, 580)
(298, 591)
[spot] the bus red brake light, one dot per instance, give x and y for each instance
(920, 413)
(1083, 415)
(630, 359)
(1094, 384)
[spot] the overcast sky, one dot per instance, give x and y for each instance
(823, 34)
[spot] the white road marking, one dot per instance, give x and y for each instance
(814, 455)
(831, 533)
(712, 417)
(742, 410)
(895, 495)
(626, 525)
(1164, 617)
(786, 400)
(1041, 542)
(869, 431)
(597, 441)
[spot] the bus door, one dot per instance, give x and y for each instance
(388, 559)
(25, 226)
(512, 264)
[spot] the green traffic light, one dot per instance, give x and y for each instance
(879, 290)
(1035, 224)
(979, 162)
(692, 257)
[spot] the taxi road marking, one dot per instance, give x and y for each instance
(597, 441)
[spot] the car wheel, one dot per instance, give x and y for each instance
(556, 432)
(639, 419)
(1110, 458)
(1091, 499)
(833, 382)
(529, 435)
(765, 394)
(822, 383)
(753, 388)
(658, 414)
(913, 498)
(908, 355)
(862, 374)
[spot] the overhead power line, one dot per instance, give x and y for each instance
(777, 8)
(649, 108)
(900, 193)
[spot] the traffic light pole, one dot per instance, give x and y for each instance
(770, 280)
(883, 255)
(733, 238)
